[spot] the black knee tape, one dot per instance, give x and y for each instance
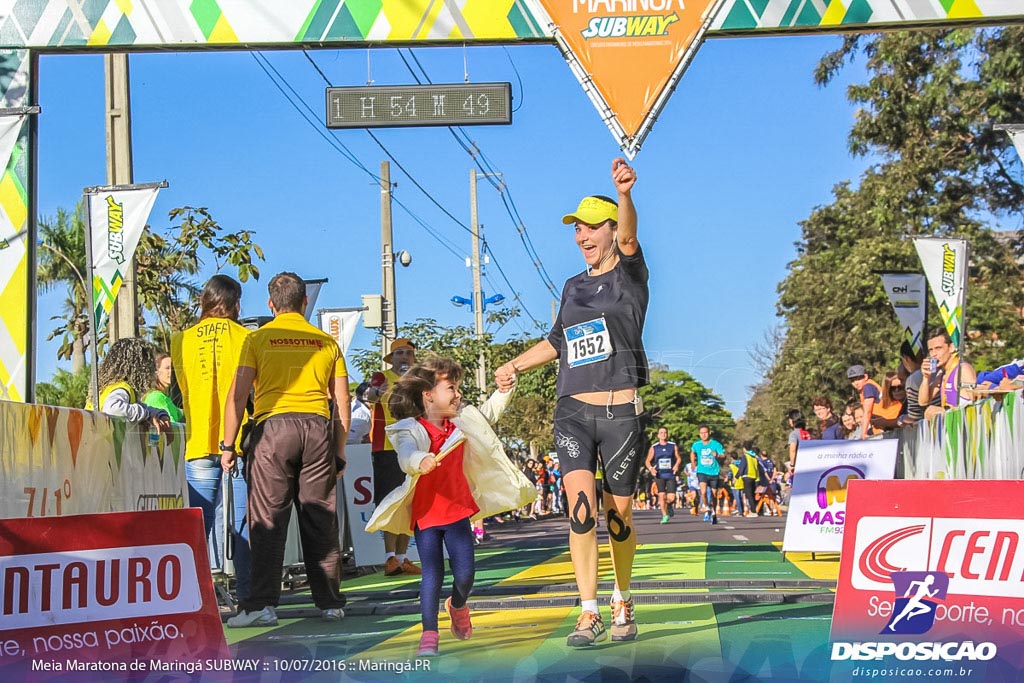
(581, 523)
(617, 528)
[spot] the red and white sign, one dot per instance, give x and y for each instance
(928, 566)
(119, 587)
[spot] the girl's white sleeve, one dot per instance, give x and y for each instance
(119, 405)
(409, 452)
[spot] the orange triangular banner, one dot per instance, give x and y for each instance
(630, 51)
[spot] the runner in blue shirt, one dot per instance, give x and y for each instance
(707, 455)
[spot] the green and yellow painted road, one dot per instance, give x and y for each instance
(707, 611)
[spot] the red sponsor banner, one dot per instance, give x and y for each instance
(931, 580)
(106, 592)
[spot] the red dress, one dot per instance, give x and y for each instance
(442, 496)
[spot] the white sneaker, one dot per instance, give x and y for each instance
(333, 614)
(750, 514)
(264, 617)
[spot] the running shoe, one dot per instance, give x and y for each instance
(623, 623)
(332, 614)
(664, 519)
(671, 510)
(409, 568)
(714, 519)
(264, 617)
(392, 567)
(428, 644)
(589, 630)
(707, 516)
(462, 627)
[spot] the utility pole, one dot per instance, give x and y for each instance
(389, 327)
(124, 320)
(478, 294)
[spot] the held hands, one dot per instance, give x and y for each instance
(623, 175)
(505, 377)
(162, 422)
(428, 464)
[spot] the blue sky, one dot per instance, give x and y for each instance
(746, 147)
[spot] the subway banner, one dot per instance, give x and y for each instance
(817, 505)
(628, 55)
(123, 592)
(61, 461)
(945, 265)
(908, 295)
(930, 582)
(116, 221)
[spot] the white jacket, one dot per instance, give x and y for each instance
(496, 484)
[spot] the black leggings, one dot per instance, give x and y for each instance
(582, 431)
(458, 538)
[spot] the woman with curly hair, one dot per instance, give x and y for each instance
(126, 374)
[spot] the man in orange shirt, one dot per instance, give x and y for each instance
(302, 421)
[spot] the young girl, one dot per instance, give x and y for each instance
(125, 375)
(457, 472)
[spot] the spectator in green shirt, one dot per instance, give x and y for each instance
(158, 397)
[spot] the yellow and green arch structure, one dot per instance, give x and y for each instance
(31, 27)
(717, 610)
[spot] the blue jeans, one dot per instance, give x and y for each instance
(458, 539)
(205, 483)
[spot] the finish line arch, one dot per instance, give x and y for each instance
(30, 28)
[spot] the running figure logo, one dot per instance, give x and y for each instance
(918, 594)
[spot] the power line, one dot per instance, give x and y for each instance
(491, 173)
(311, 119)
(516, 295)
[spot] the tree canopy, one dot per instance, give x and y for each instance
(925, 119)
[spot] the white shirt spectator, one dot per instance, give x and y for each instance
(361, 416)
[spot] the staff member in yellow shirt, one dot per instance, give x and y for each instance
(205, 358)
(302, 421)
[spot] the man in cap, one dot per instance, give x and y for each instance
(387, 475)
(870, 394)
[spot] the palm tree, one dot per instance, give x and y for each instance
(62, 262)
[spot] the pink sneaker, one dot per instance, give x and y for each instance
(428, 644)
(462, 627)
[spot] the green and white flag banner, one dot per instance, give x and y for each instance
(945, 266)
(908, 295)
(116, 219)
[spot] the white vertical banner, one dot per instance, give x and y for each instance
(13, 278)
(945, 266)
(313, 288)
(908, 295)
(1018, 141)
(117, 217)
(341, 324)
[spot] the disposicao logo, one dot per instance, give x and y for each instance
(917, 596)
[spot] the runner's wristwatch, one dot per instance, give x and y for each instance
(227, 447)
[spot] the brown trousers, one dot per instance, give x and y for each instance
(292, 463)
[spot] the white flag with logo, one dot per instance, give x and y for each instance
(908, 297)
(1018, 141)
(116, 221)
(945, 266)
(340, 324)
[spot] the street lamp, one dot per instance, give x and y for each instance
(491, 300)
